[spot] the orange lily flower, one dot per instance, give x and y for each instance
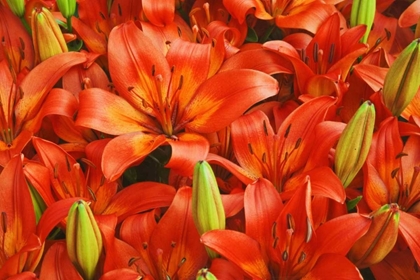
(392, 177)
(322, 67)
(25, 104)
(171, 248)
(17, 231)
(295, 14)
(281, 157)
(161, 97)
(17, 48)
(281, 242)
(68, 180)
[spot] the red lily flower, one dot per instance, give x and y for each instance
(323, 65)
(280, 241)
(392, 177)
(165, 96)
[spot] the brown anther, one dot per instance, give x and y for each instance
(287, 131)
(285, 256)
(315, 52)
(265, 128)
(332, 52)
(250, 148)
(302, 257)
(4, 222)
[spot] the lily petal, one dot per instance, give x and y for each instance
(333, 266)
(39, 82)
(109, 113)
(187, 150)
(126, 150)
(139, 197)
(159, 13)
(262, 205)
(57, 264)
(240, 249)
(175, 239)
(227, 95)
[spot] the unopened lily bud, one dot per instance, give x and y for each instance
(403, 79)
(83, 237)
(17, 7)
(205, 274)
(363, 12)
(380, 238)
(207, 207)
(67, 7)
(354, 143)
(46, 35)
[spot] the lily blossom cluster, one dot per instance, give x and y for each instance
(218, 139)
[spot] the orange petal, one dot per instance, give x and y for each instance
(176, 238)
(159, 13)
(240, 9)
(39, 82)
(126, 150)
(333, 266)
(262, 205)
(308, 17)
(139, 197)
(57, 265)
(16, 208)
(240, 249)
(195, 63)
(109, 113)
(58, 102)
(410, 230)
(131, 50)
(187, 150)
(224, 99)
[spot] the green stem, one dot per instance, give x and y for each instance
(26, 25)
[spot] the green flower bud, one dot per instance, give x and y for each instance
(354, 143)
(205, 274)
(83, 238)
(67, 7)
(403, 79)
(17, 7)
(363, 12)
(207, 207)
(380, 238)
(46, 35)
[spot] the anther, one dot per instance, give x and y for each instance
(332, 51)
(265, 128)
(287, 131)
(315, 52)
(250, 148)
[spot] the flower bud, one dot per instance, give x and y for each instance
(205, 274)
(46, 35)
(380, 238)
(354, 143)
(207, 207)
(83, 238)
(67, 7)
(17, 7)
(363, 12)
(403, 79)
